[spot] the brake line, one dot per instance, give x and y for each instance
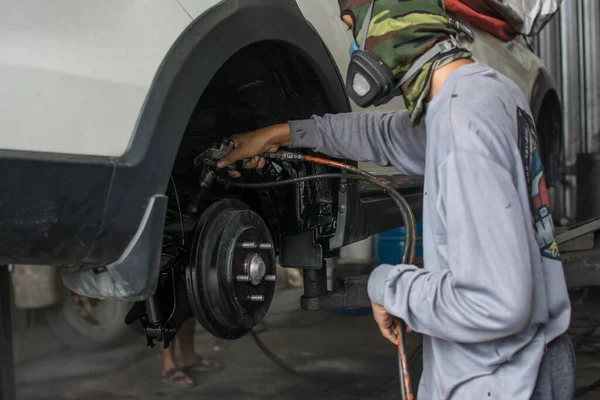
(407, 217)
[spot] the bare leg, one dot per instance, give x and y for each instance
(186, 343)
(188, 353)
(169, 362)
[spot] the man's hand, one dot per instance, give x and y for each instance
(251, 145)
(386, 323)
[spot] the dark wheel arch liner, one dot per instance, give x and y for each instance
(545, 99)
(543, 86)
(89, 210)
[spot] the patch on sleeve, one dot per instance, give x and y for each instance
(536, 181)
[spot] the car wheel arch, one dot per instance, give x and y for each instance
(187, 71)
(208, 43)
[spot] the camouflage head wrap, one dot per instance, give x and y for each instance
(399, 33)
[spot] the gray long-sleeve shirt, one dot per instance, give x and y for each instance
(492, 293)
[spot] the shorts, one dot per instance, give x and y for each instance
(556, 379)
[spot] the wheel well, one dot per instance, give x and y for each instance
(262, 84)
(550, 136)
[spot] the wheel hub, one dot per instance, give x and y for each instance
(231, 274)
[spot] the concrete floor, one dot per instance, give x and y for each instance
(341, 357)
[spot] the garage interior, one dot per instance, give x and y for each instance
(322, 354)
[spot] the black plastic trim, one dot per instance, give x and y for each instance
(72, 210)
(134, 276)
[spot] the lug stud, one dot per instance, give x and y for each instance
(270, 278)
(256, 297)
(243, 278)
(266, 246)
(248, 245)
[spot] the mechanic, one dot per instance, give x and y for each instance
(491, 301)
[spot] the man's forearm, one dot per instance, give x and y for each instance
(281, 135)
(387, 139)
(481, 290)
(433, 304)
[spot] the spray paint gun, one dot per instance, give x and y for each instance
(209, 158)
(208, 161)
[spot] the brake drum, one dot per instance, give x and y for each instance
(231, 275)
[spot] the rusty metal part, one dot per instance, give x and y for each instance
(406, 386)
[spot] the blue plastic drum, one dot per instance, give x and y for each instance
(390, 245)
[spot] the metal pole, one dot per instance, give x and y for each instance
(7, 374)
(152, 310)
(591, 64)
(571, 97)
(549, 50)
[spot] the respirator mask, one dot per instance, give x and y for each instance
(370, 82)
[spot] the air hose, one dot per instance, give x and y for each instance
(407, 217)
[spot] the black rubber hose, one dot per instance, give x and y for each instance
(271, 356)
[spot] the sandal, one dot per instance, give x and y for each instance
(202, 365)
(175, 377)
